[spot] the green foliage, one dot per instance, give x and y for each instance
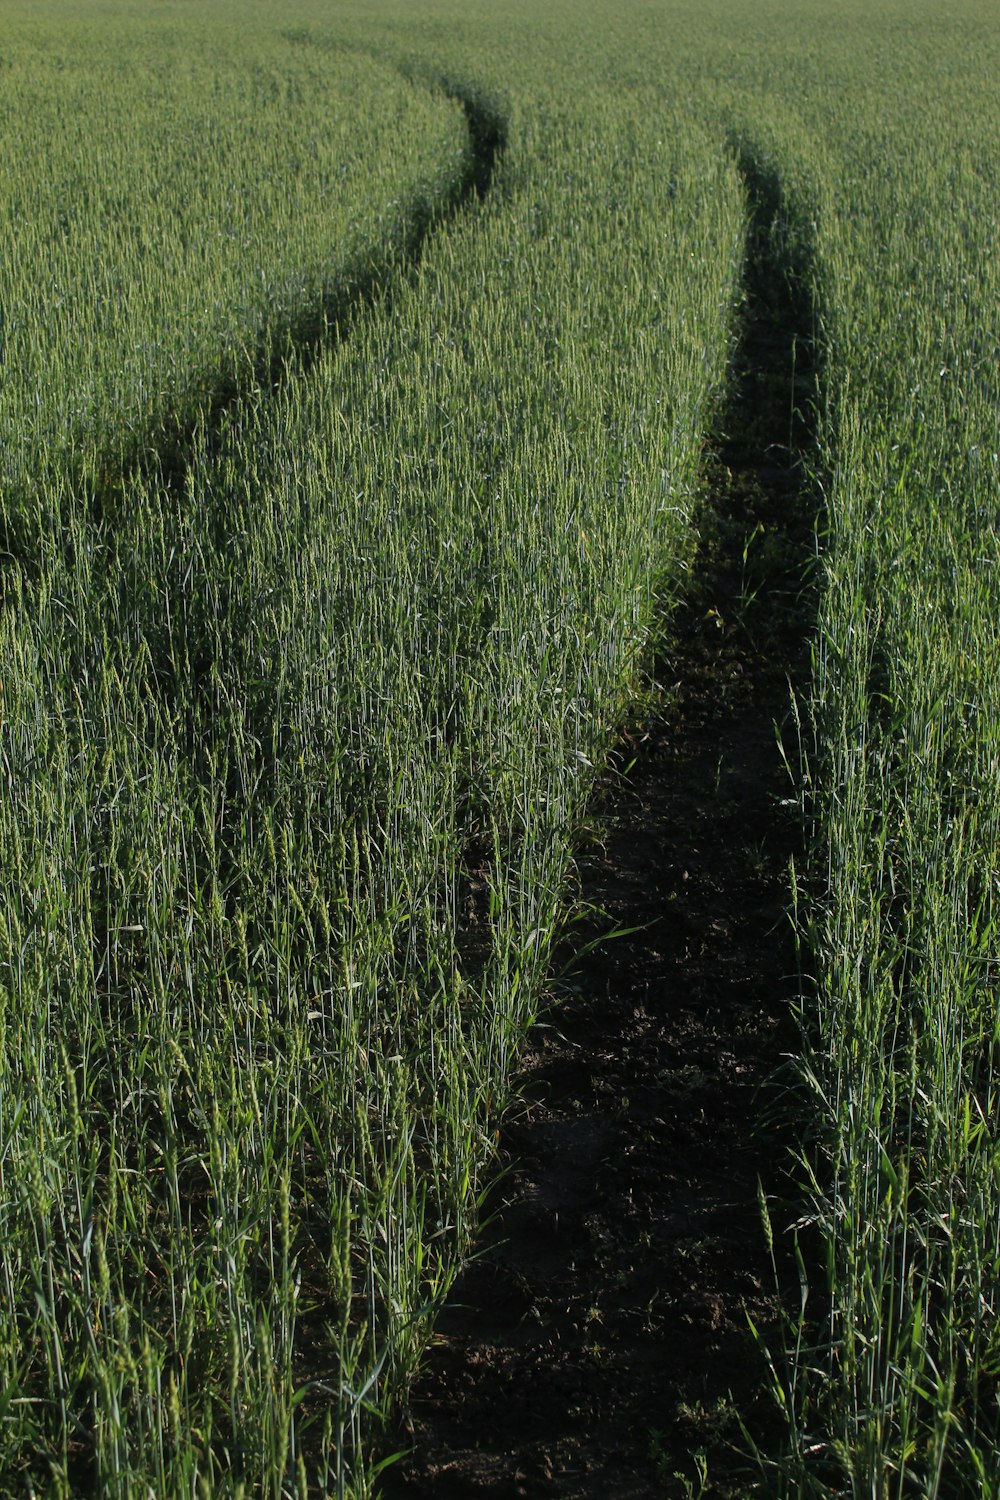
(181, 208)
(313, 639)
(300, 736)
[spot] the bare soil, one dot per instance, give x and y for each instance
(600, 1344)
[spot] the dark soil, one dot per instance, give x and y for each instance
(599, 1344)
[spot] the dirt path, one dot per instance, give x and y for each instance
(599, 1342)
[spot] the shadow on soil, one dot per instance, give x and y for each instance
(598, 1345)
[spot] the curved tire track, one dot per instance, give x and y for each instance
(598, 1343)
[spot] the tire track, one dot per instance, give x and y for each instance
(286, 351)
(290, 353)
(598, 1345)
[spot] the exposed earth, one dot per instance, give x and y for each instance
(599, 1344)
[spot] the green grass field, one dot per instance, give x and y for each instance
(359, 366)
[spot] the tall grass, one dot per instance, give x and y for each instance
(902, 1040)
(305, 683)
(299, 751)
(181, 205)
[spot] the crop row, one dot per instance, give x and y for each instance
(299, 751)
(900, 1062)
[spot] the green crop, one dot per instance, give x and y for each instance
(358, 371)
(180, 209)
